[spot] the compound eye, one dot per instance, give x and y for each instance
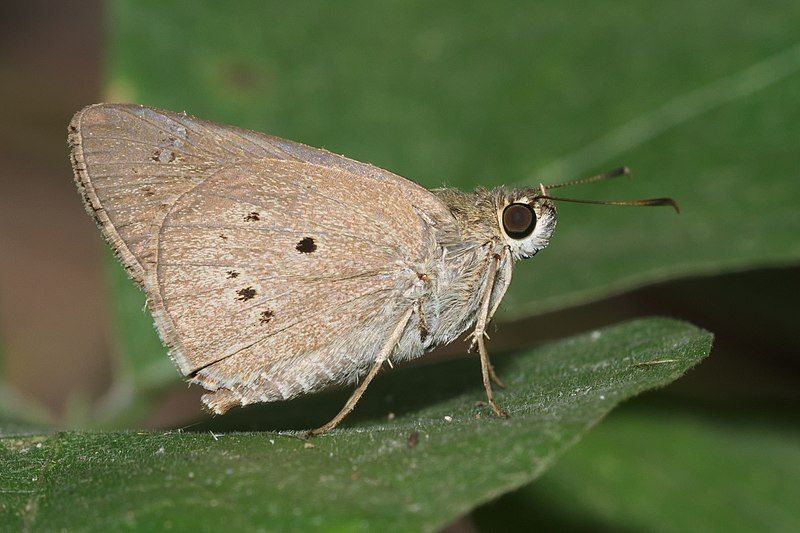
(518, 220)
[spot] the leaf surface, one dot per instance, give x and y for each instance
(365, 475)
(665, 469)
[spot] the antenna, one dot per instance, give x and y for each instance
(647, 202)
(621, 171)
(617, 172)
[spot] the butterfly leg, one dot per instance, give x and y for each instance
(507, 268)
(383, 356)
(479, 336)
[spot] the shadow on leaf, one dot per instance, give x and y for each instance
(399, 392)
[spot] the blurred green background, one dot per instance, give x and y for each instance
(700, 99)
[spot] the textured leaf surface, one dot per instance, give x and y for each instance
(364, 475)
(667, 469)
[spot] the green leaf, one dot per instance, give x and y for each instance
(364, 475)
(698, 100)
(668, 469)
(513, 92)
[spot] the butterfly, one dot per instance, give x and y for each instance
(273, 269)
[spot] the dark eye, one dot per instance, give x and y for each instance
(518, 220)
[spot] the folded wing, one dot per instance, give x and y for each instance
(271, 268)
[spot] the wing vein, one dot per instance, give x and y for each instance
(262, 229)
(397, 246)
(96, 138)
(311, 280)
(170, 133)
(273, 333)
(215, 137)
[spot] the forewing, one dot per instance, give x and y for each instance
(261, 258)
(133, 162)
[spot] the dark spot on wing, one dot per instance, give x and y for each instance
(232, 274)
(266, 316)
(223, 236)
(248, 293)
(306, 245)
(252, 217)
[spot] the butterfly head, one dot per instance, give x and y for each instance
(527, 220)
(527, 217)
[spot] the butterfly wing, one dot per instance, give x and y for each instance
(271, 268)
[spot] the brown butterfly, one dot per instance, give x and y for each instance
(273, 269)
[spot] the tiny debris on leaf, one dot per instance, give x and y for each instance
(308, 445)
(448, 418)
(413, 439)
(390, 416)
